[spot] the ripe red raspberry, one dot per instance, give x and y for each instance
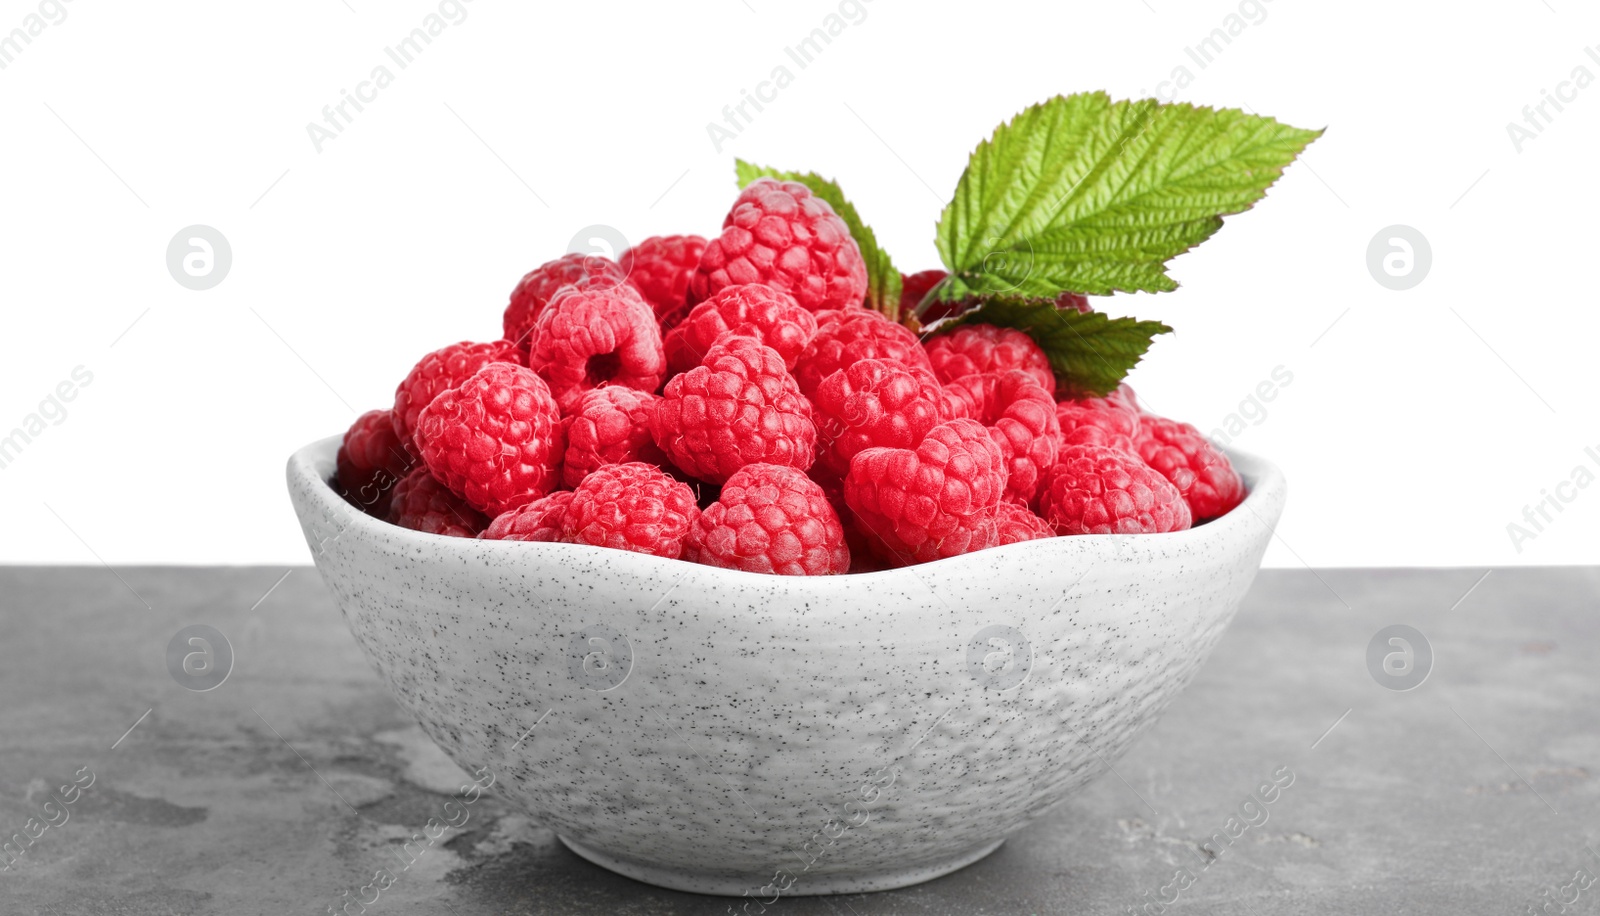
(444, 368)
(422, 503)
(660, 267)
(1021, 417)
(915, 286)
(771, 519)
(845, 336)
(496, 440)
(769, 315)
(873, 402)
(539, 520)
(608, 425)
(1200, 471)
(588, 338)
(1076, 301)
(937, 501)
(1094, 490)
(740, 406)
(633, 507)
(862, 557)
(974, 348)
(780, 234)
(1124, 396)
(1017, 523)
(371, 460)
(540, 285)
(1097, 421)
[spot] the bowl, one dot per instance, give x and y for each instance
(725, 732)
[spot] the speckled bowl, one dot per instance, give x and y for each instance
(726, 732)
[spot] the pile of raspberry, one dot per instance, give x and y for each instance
(731, 402)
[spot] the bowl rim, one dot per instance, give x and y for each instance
(314, 464)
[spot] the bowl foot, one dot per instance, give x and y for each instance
(805, 885)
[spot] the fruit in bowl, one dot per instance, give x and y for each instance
(681, 572)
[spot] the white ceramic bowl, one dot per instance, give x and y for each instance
(719, 731)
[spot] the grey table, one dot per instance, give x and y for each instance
(299, 777)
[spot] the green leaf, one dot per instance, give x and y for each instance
(883, 279)
(1087, 195)
(1090, 352)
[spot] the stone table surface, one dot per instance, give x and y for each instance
(285, 789)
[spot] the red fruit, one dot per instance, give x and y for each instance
(422, 503)
(740, 406)
(1076, 301)
(873, 402)
(1124, 396)
(1021, 417)
(540, 285)
(371, 460)
(845, 336)
(1200, 471)
(659, 268)
(937, 501)
(444, 368)
(1093, 490)
(588, 338)
(1097, 421)
(771, 519)
(1016, 523)
(916, 286)
(780, 234)
(539, 520)
(633, 507)
(608, 425)
(975, 348)
(769, 315)
(496, 440)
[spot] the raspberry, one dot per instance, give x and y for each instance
(588, 338)
(1126, 398)
(422, 503)
(1097, 421)
(496, 440)
(1093, 490)
(633, 507)
(444, 368)
(862, 556)
(1022, 419)
(1077, 301)
(1017, 523)
(771, 519)
(974, 348)
(608, 425)
(1200, 471)
(371, 460)
(770, 315)
(738, 407)
(870, 403)
(916, 286)
(539, 520)
(845, 336)
(541, 284)
(779, 234)
(937, 501)
(660, 267)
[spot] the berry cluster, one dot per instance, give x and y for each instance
(731, 402)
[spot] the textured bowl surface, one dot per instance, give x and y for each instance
(721, 732)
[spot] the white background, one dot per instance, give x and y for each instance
(1415, 429)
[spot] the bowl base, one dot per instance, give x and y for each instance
(806, 886)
